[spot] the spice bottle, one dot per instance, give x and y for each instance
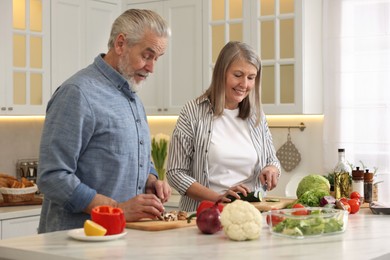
(358, 182)
(368, 185)
(342, 173)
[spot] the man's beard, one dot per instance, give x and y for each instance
(134, 86)
(123, 64)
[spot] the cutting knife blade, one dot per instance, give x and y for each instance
(261, 192)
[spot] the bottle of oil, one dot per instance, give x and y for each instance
(342, 173)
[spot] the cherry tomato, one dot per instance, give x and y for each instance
(300, 212)
(343, 199)
(356, 195)
(354, 205)
(346, 206)
(274, 220)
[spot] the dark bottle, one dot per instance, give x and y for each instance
(368, 185)
(342, 174)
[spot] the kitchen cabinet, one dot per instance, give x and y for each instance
(80, 31)
(25, 56)
(18, 227)
(19, 221)
(177, 76)
(286, 35)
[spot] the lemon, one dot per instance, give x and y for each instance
(93, 229)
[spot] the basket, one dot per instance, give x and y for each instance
(18, 194)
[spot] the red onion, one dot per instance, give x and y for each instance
(208, 220)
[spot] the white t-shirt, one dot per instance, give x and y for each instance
(232, 156)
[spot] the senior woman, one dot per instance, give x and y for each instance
(221, 144)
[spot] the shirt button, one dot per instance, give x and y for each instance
(137, 121)
(139, 187)
(141, 165)
(141, 142)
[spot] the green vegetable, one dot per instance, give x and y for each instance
(250, 197)
(272, 200)
(312, 198)
(313, 182)
(311, 226)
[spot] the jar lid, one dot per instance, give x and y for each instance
(368, 176)
(356, 174)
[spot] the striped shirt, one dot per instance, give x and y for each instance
(188, 149)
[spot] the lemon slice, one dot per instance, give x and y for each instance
(93, 229)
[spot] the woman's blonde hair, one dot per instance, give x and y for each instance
(230, 53)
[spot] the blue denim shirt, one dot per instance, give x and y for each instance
(95, 140)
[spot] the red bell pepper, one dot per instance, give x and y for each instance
(112, 219)
(205, 204)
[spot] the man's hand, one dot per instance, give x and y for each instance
(159, 188)
(142, 206)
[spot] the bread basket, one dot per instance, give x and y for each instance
(11, 195)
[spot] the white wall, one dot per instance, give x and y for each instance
(19, 139)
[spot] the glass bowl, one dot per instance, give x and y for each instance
(307, 222)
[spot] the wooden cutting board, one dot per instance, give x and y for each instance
(35, 201)
(158, 225)
(268, 205)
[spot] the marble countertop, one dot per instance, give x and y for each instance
(19, 211)
(367, 237)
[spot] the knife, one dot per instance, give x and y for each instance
(261, 192)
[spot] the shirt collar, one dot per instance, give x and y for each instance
(110, 73)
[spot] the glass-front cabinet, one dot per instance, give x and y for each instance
(25, 60)
(287, 36)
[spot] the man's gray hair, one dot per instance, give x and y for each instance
(134, 23)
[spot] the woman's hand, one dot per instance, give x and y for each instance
(233, 191)
(270, 176)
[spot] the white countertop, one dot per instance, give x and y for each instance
(19, 211)
(367, 237)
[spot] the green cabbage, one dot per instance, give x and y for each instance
(313, 182)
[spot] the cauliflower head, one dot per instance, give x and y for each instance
(241, 221)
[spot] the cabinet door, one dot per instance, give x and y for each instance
(68, 39)
(80, 31)
(25, 62)
(177, 77)
(152, 90)
(286, 35)
(100, 17)
(183, 68)
(19, 227)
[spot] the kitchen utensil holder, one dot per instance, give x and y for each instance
(301, 126)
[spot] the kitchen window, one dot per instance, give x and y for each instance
(356, 82)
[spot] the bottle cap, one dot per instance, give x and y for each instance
(341, 150)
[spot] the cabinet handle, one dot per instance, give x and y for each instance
(159, 109)
(10, 108)
(3, 108)
(165, 109)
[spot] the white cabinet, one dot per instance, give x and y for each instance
(17, 227)
(25, 57)
(287, 36)
(80, 31)
(177, 77)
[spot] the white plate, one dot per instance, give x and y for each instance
(80, 235)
